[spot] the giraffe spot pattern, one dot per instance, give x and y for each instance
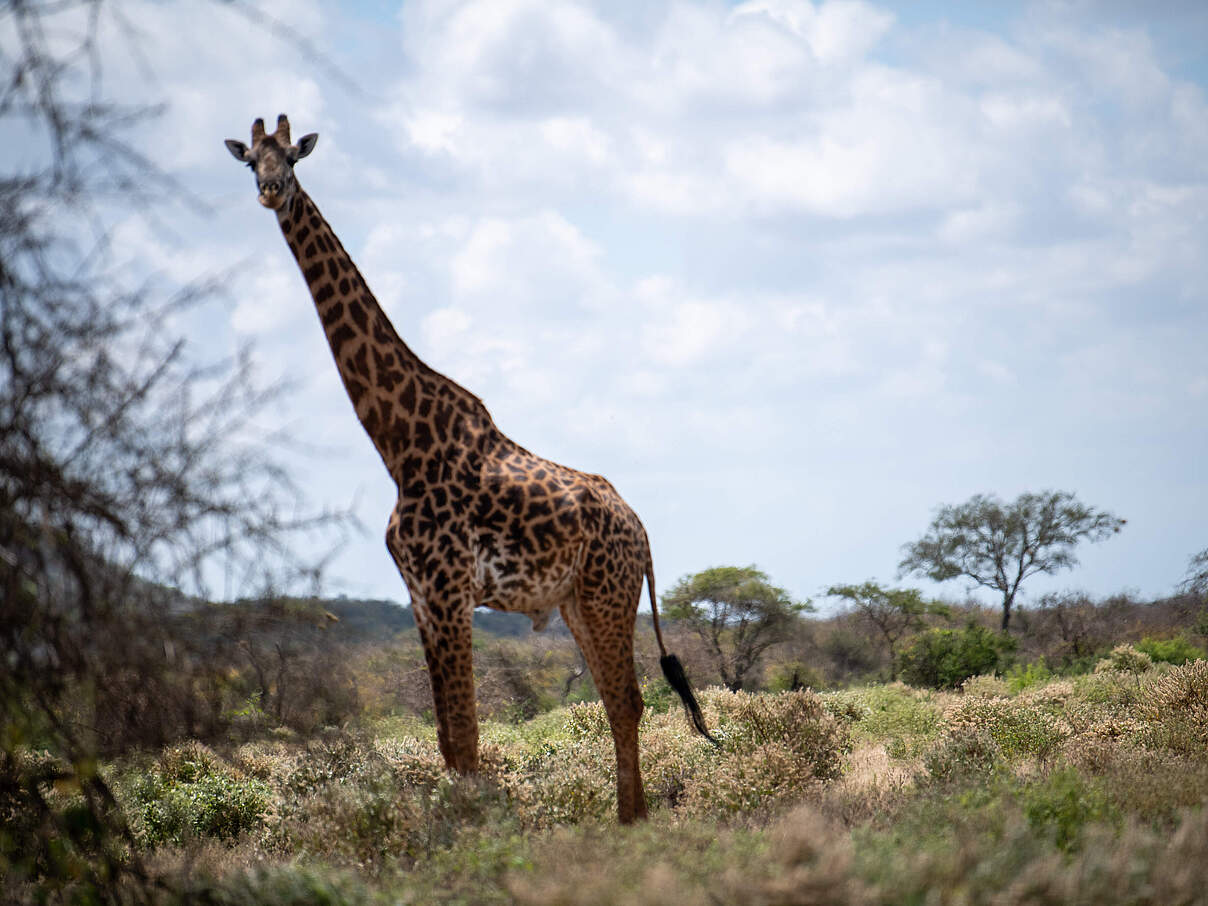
(479, 520)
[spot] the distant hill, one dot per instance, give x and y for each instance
(373, 619)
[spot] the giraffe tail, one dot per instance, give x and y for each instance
(673, 670)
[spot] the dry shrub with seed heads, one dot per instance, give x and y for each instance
(587, 720)
(1053, 696)
(962, 755)
(1017, 727)
(776, 750)
(986, 685)
(795, 720)
(1177, 710)
(1125, 659)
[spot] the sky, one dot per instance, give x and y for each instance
(790, 274)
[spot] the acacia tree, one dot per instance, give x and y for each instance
(738, 614)
(891, 612)
(1196, 580)
(998, 545)
(129, 470)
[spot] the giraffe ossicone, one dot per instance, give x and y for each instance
(479, 521)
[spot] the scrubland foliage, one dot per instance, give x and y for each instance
(315, 775)
(1088, 789)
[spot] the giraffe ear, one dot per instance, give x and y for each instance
(238, 150)
(305, 145)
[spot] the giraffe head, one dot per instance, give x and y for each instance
(272, 159)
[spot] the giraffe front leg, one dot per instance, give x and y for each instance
(446, 634)
(609, 656)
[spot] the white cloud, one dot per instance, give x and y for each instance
(678, 332)
(835, 31)
(1016, 112)
(433, 130)
(979, 223)
(216, 68)
(514, 262)
(269, 301)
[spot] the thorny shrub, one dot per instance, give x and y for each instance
(568, 784)
(1019, 728)
(1125, 659)
(985, 685)
(795, 720)
(963, 755)
(587, 720)
(1177, 710)
(776, 749)
(379, 804)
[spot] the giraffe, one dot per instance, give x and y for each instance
(479, 521)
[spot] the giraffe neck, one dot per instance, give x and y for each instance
(391, 388)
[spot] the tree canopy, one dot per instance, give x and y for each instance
(133, 475)
(1196, 580)
(998, 545)
(891, 612)
(737, 612)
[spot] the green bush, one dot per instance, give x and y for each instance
(658, 696)
(1064, 803)
(1177, 651)
(1025, 676)
(791, 675)
(945, 658)
(902, 718)
(191, 793)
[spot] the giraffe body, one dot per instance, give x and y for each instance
(479, 520)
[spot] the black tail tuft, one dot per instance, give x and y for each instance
(674, 671)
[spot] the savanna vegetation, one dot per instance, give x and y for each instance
(1071, 767)
(159, 748)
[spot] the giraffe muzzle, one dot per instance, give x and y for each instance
(271, 195)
